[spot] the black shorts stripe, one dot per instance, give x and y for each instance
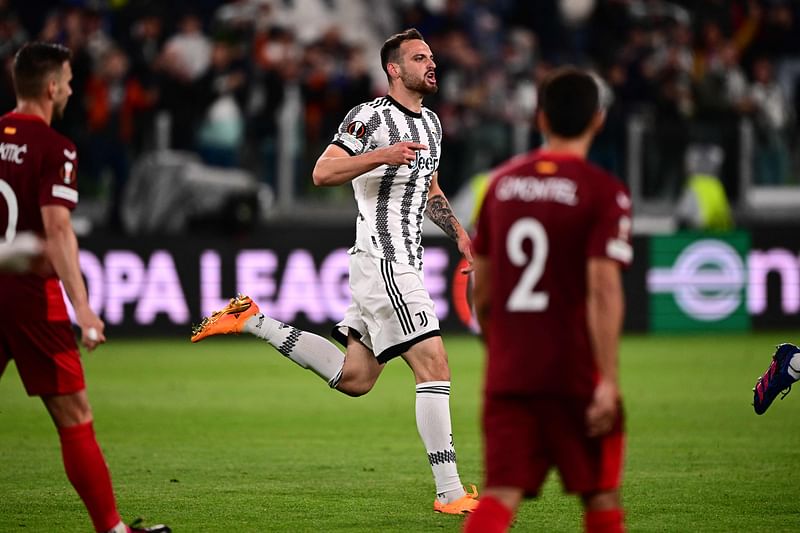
(396, 297)
(393, 351)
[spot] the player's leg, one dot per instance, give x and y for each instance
(515, 462)
(603, 512)
(307, 349)
(428, 361)
(353, 375)
(360, 371)
(495, 511)
(49, 365)
(591, 467)
(83, 461)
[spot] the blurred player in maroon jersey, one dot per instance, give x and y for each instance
(552, 237)
(38, 190)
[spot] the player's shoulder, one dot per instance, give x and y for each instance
(607, 181)
(36, 135)
(62, 142)
(381, 102)
(36, 131)
(430, 113)
(363, 113)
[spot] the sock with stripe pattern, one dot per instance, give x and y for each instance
(306, 349)
(433, 423)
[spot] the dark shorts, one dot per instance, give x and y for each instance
(525, 436)
(46, 355)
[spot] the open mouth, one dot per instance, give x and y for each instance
(431, 77)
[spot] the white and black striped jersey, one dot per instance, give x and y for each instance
(391, 199)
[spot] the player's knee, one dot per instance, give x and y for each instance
(354, 391)
(355, 387)
(69, 410)
(433, 367)
(601, 501)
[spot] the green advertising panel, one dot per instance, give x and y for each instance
(698, 282)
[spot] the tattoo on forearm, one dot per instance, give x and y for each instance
(438, 210)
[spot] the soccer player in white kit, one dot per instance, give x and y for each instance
(389, 149)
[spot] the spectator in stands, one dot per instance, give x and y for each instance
(142, 46)
(275, 54)
(771, 114)
(222, 130)
(185, 58)
(113, 98)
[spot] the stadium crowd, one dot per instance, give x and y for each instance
(238, 81)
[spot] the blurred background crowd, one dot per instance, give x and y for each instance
(704, 86)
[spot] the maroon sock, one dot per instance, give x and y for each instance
(490, 516)
(609, 521)
(87, 471)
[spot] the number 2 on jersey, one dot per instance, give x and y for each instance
(13, 211)
(524, 298)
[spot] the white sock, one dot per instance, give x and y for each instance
(794, 367)
(119, 528)
(435, 429)
(306, 349)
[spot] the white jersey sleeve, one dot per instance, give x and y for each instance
(360, 131)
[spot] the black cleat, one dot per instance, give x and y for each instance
(136, 527)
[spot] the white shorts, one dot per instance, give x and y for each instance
(391, 310)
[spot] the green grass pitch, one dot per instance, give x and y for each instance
(228, 436)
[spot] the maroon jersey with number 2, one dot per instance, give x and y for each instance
(543, 217)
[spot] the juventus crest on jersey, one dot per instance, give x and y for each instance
(391, 199)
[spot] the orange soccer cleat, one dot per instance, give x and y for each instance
(229, 319)
(464, 505)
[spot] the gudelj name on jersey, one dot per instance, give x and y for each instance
(12, 152)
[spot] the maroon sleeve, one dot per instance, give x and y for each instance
(58, 182)
(611, 232)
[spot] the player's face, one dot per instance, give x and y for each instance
(417, 69)
(63, 90)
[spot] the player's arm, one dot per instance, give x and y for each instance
(61, 247)
(337, 166)
(605, 311)
(481, 293)
(441, 214)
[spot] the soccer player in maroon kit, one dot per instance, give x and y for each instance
(552, 236)
(38, 190)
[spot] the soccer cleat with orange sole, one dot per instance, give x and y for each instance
(464, 505)
(227, 320)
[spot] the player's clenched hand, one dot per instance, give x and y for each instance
(603, 411)
(92, 328)
(402, 153)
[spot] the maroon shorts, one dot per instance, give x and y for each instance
(46, 356)
(525, 436)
